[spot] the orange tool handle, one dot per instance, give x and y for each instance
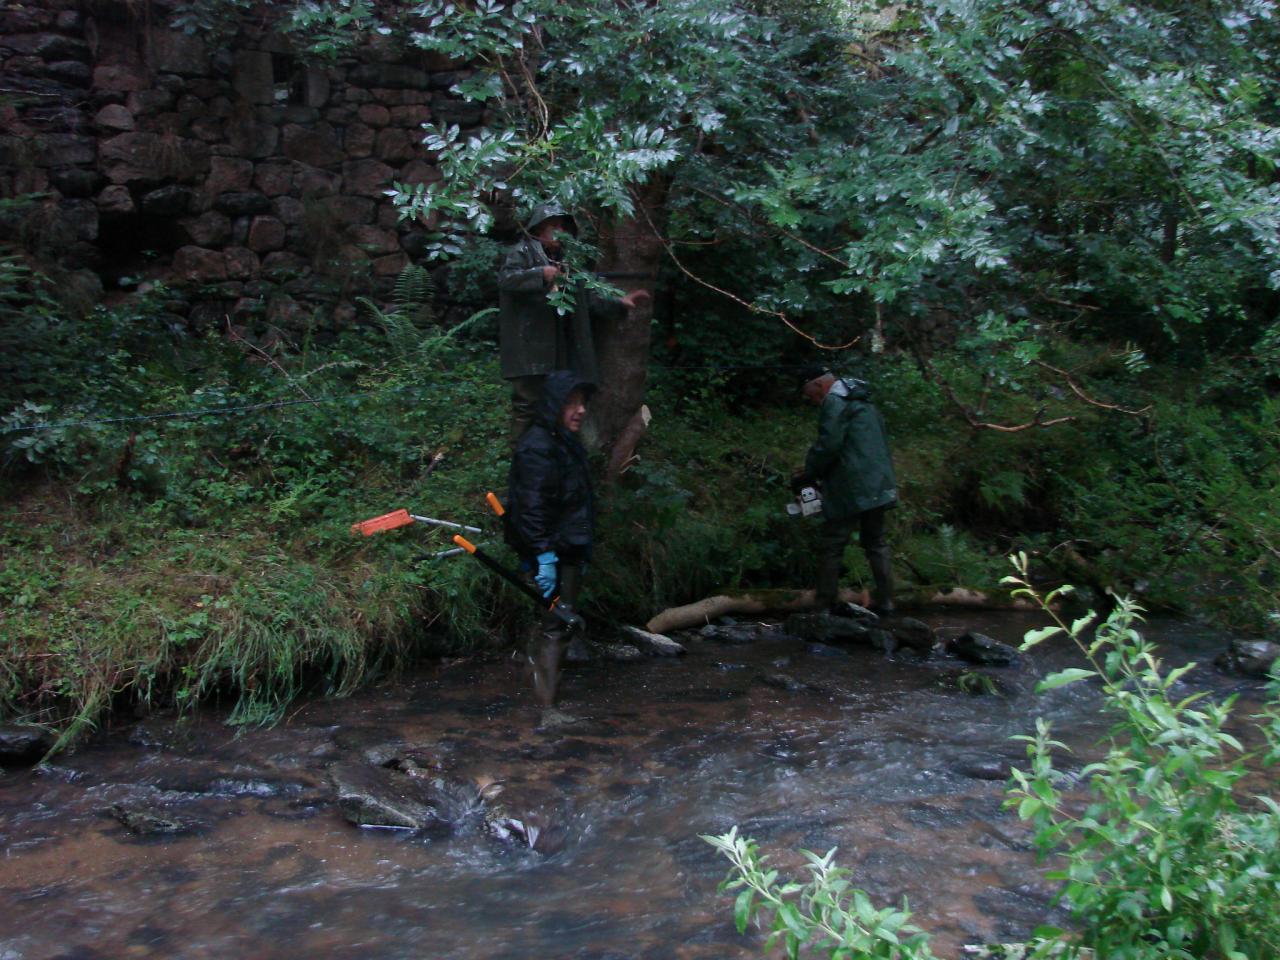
(493, 501)
(388, 521)
(464, 543)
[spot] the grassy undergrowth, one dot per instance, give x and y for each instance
(160, 562)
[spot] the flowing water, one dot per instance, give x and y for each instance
(800, 746)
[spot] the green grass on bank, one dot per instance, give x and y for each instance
(174, 561)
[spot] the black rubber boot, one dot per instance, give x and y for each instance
(881, 563)
(828, 586)
(546, 665)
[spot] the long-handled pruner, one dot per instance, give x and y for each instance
(402, 518)
(561, 610)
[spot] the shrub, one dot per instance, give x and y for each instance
(1167, 860)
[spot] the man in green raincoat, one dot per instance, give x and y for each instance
(850, 462)
(533, 338)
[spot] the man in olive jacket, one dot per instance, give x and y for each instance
(851, 464)
(533, 338)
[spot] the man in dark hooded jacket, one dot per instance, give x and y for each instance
(550, 516)
(533, 338)
(850, 461)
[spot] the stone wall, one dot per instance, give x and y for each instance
(247, 179)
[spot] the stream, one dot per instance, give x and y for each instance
(886, 758)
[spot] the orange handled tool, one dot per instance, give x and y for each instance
(388, 521)
(494, 503)
(561, 610)
(402, 518)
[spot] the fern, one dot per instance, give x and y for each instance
(413, 296)
(414, 293)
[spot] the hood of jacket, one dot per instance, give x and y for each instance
(851, 388)
(555, 391)
(545, 211)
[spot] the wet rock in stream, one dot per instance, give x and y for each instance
(739, 633)
(405, 796)
(146, 820)
(913, 634)
(824, 628)
(654, 644)
(375, 796)
(861, 628)
(378, 747)
(987, 769)
(789, 684)
(981, 649)
(1251, 658)
(23, 744)
(620, 652)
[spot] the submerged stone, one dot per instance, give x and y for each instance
(737, 633)
(979, 648)
(149, 821)
(781, 681)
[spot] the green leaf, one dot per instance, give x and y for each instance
(1064, 677)
(742, 909)
(1033, 637)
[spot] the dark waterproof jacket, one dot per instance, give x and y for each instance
(550, 504)
(533, 338)
(851, 457)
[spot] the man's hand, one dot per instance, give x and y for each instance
(635, 297)
(550, 272)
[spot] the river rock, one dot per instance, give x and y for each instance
(1253, 658)
(824, 628)
(788, 683)
(153, 821)
(990, 769)
(654, 644)
(620, 652)
(911, 633)
(781, 681)
(378, 797)
(979, 648)
(736, 633)
(882, 640)
(22, 744)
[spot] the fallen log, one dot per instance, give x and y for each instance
(762, 602)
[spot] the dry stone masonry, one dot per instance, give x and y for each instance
(246, 178)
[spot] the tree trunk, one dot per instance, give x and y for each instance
(628, 246)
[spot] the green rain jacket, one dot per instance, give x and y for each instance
(533, 338)
(851, 456)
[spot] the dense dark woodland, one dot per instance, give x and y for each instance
(245, 303)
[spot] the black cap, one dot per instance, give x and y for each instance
(811, 371)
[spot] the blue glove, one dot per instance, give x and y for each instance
(546, 575)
